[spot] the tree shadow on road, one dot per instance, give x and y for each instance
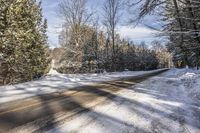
(52, 104)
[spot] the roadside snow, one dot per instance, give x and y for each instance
(55, 82)
(52, 72)
(167, 103)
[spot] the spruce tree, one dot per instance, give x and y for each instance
(23, 40)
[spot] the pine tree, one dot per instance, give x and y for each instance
(23, 40)
(181, 22)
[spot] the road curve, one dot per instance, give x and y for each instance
(40, 111)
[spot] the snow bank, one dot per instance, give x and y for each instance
(191, 81)
(189, 78)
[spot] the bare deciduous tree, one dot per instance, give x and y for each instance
(75, 15)
(111, 16)
(76, 19)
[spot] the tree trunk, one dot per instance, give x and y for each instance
(194, 27)
(184, 50)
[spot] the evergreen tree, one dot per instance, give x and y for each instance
(23, 40)
(181, 24)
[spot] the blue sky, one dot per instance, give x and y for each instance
(136, 34)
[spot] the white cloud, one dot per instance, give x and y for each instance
(137, 33)
(50, 11)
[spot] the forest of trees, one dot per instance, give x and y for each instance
(87, 47)
(90, 49)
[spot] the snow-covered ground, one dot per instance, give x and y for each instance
(54, 82)
(167, 103)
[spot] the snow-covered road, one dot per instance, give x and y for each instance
(55, 82)
(167, 103)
